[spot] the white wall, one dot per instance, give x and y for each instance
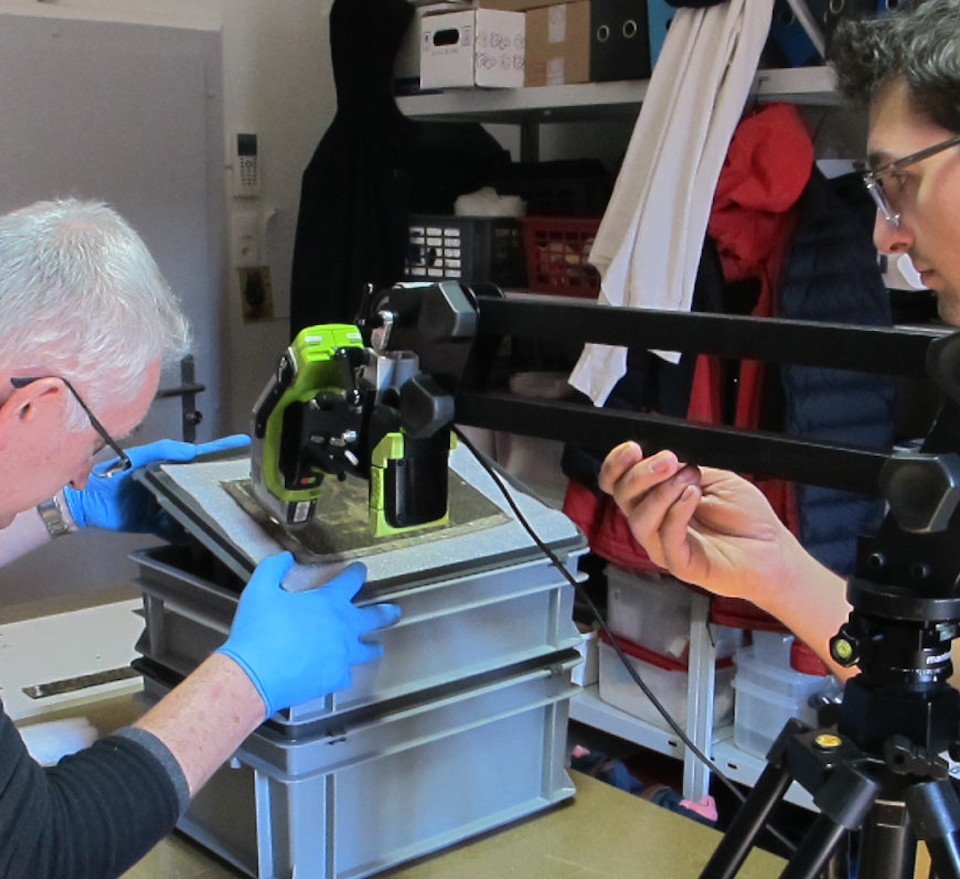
(278, 82)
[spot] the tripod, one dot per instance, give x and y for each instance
(880, 770)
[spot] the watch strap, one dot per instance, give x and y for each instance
(52, 514)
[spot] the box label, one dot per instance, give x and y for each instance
(555, 71)
(557, 24)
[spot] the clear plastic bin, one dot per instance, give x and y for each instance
(667, 679)
(767, 697)
(654, 611)
(772, 648)
(588, 672)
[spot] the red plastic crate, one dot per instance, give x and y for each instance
(557, 249)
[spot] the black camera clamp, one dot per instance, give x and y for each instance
(880, 770)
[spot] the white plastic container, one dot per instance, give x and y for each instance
(588, 672)
(654, 611)
(772, 648)
(768, 696)
(667, 679)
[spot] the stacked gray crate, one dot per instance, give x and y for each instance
(457, 729)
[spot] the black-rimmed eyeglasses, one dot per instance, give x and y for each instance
(873, 180)
(123, 461)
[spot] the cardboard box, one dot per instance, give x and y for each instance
(481, 47)
(406, 67)
(558, 44)
(620, 40)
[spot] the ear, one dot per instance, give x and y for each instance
(38, 405)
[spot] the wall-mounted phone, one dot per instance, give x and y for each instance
(246, 164)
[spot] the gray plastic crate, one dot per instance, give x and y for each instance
(422, 775)
(451, 628)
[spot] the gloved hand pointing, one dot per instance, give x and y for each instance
(120, 503)
(298, 646)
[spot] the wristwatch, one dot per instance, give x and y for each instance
(52, 514)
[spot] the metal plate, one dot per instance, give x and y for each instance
(341, 530)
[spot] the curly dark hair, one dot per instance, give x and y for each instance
(920, 42)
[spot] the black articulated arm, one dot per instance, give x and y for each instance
(456, 331)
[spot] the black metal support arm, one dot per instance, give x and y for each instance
(883, 350)
(754, 452)
(456, 332)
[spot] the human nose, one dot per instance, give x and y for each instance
(891, 237)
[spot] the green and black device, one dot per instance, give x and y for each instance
(332, 409)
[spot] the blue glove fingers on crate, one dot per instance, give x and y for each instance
(120, 503)
(299, 646)
(179, 452)
(364, 619)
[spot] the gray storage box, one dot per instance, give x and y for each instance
(458, 728)
(449, 629)
(392, 784)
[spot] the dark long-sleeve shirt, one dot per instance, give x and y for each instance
(94, 814)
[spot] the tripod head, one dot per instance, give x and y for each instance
(905, 592)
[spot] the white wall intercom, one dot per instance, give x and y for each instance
(246, 164)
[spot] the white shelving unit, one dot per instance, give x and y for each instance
(801, 85)
(529, 108)
(588, 708)
(717, 744)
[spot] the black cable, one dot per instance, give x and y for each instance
(585, 596)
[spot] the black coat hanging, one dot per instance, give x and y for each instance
(352, 221)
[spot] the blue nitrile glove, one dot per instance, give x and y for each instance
(120, 503)
(298, 646)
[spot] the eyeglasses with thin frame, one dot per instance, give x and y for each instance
(123, 462)
(873, 180)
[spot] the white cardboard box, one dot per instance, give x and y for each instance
(483, 47)
(406, 66)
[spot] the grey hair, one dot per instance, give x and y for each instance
(81, 297)
(918, 42)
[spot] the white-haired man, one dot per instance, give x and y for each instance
(87, 322)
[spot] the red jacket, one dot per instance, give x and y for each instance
(768, 164)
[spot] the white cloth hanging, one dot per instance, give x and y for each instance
(650, 239)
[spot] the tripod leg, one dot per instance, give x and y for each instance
(935, 810)
(888, 846)
(839, 866)
(748, 823)
(845, 800)
(816, 849)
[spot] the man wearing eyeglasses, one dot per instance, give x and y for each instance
(86, 322)
(714, 529)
